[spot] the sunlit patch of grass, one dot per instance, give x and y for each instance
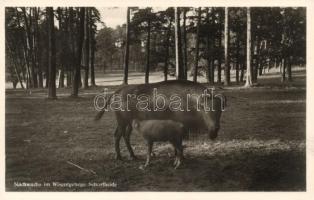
(215, 148)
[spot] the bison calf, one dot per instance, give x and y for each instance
(161, 130)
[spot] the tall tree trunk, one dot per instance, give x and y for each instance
(248, 82)
(92, 46)
(72, 57)
(122, 58)
(77, 73)
(69, 78)
(23, 70)
(208, 51)
(33, 54)
(185, 53)
(47, 54)
(253, 60)
(61, 70)
(227, 67)
(147, 52)
(283, 64)
(14, 65)
(37, 47)
(275, 63)
(25, 54)
(153, 45)
(260, 67)
(261, 60)
(167, 41)
(86, 47)
(197, 45)
(283, 55)
(219, 55)
(289, 71)
(61, 77)
(208, 57)
(213, 49)
(18, 75)
(52, 54)
(21, 64)
(238, 57)
(242, 73)
(269, 61)
(47, 74)
(257, 59)
(40, 78)
(127, 47)
(30, 49)
(179, 67)
(29, 83)
(27, 49)
(67, 48)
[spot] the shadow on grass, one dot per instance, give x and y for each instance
(241, 171)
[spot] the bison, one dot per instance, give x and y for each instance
(183, 101)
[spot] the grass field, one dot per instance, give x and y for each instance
(260, 147)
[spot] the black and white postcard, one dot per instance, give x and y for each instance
(192, 98)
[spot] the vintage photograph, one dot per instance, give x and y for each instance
(180, 99)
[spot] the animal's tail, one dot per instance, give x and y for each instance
(101, 112)
(99, 115)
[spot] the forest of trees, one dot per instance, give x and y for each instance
(48, 44)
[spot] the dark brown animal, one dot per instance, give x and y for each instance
(192, 119)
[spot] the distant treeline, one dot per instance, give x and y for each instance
(207, 39)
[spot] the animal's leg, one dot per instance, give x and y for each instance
(175, 154)
(149, 152)
(117, 137)
(179, 148)
(179, 158)
(174, 144)
(126, 138)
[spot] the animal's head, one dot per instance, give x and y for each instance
(212, 117)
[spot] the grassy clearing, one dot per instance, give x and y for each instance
(261, 146)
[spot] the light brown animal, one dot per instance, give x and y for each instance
(161, 130)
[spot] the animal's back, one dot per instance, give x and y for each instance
(167, 88)
(161, 130)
